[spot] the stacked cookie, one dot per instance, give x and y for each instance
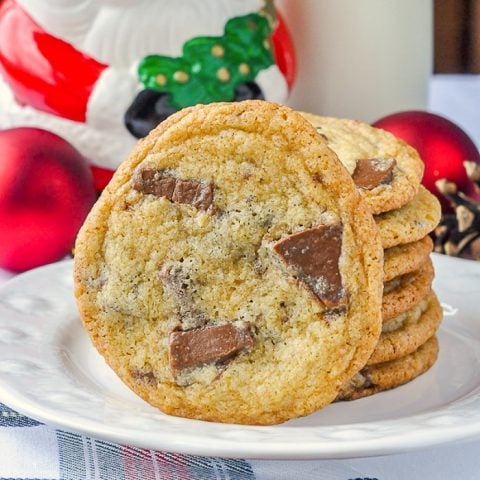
(388, 174)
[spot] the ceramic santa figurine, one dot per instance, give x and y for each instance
(102, 73)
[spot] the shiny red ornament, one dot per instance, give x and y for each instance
(46, 191)
(442, 145)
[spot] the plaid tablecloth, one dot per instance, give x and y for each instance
(30, 450)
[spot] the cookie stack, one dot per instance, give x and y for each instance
(388, 173)
(232, 272)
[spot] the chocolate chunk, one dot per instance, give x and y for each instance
(313, 255)
(371, 172)
(153, 182)
(198, 194)
(156, 182)
(141, 376)
(208, 344)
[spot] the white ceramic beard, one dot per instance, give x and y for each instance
(106, 147)
(120, 33)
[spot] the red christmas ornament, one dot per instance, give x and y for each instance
(442, 145)
(46, 191)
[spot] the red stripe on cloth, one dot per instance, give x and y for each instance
(129, 466)
(172, 467)
(143, 464)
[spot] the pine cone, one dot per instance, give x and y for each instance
(459, 234)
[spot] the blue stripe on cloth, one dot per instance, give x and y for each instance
(84, 457)
(70, 455)
(110, 462)
(11, 418)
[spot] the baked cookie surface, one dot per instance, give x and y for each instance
(230, 271)
(386, 170)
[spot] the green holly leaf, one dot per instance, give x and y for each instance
(250, 37)
(211, 68)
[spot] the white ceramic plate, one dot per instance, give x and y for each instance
(50, 371)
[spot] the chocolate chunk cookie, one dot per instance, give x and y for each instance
(385, 169)
(231, 271)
